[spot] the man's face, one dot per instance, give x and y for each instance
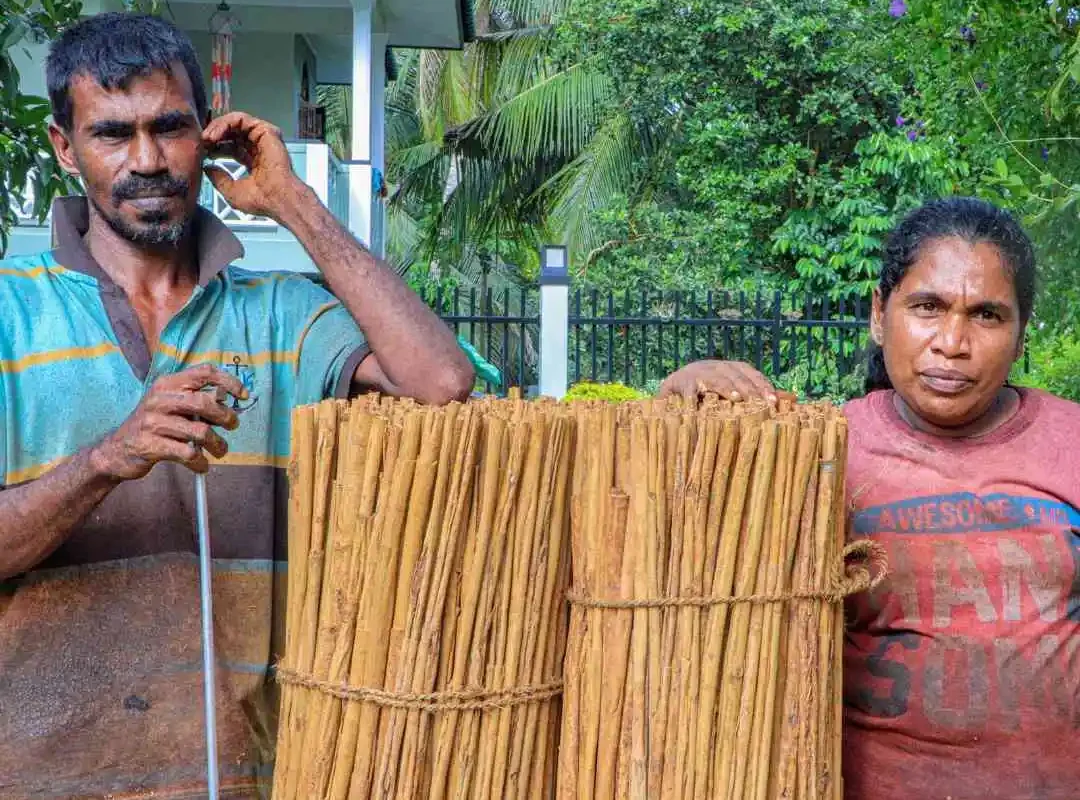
(139, 152)
(950, 331)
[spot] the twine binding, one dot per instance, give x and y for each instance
(851, 579)
(430, 702)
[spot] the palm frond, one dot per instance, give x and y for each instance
(428, 93)
(401, 92)
(337, 101)
(532, 11)
(404, 235)
(458, 102)
(419, 173)
(603, 170)
(553, 118)
(525, 62)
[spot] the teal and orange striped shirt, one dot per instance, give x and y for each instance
(100, 670)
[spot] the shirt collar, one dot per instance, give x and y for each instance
(217, 246)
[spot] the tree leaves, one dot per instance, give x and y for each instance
(26, 160)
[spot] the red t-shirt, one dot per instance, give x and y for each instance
(962, 670)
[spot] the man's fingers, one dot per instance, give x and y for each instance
(204, 375)
(194, 405)
(194, 432)
(186, 453)
(221, 126)
(204, 406)
(221, 179)
(237, 122)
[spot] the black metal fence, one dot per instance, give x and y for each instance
(813, 345)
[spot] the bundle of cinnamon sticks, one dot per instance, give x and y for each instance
(704, 649)
(428, 563)
(431, 651)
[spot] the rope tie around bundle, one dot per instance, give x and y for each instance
(427, 702)
(850, 579)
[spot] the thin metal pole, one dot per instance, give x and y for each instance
(202, 522)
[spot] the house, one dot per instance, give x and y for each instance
(282, 49)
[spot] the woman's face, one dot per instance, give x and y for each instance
(950, 331)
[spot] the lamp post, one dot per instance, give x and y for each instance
(554, 320)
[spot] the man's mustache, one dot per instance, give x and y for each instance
(136, 186)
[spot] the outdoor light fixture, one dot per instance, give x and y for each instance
(554, 319)
(553, 266)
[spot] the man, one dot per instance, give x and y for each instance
(108, 347)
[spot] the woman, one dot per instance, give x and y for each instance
(961, 671)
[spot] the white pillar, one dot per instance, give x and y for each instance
(360, 166)
(317, 169)
(379, 43)
(378, 139)
(554, 322)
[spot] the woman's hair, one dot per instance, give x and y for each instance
(974, 221)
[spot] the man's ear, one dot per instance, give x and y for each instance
(65, 152)
(877, 313)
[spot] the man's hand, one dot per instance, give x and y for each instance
(270, 183)
(732, 380)
(174, 422)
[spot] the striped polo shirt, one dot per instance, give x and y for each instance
(100, 649)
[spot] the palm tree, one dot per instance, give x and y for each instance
(501, 145)
(497, 149)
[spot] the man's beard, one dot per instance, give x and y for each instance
(154, 229)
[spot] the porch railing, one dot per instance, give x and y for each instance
(338, 189)
(312, 122)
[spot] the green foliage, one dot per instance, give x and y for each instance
(26, 159)
(505, 146)
(613, 392)
(1055, 365)
(837, 244)
(723, 144)
(782, 152)
(144, 6)
(998, 80)
(825, 382)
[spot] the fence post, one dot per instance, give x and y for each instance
(554, 321)
(778, 334)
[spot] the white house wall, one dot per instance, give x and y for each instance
(30, 61)
(264, 79)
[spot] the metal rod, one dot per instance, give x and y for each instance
(202, 522)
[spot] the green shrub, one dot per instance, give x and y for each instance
(613, 392)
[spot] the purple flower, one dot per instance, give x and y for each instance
(1072, 16)
(900, 122)
(1045, 154)
(912, 136)
(980, 85)
(897, 8)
